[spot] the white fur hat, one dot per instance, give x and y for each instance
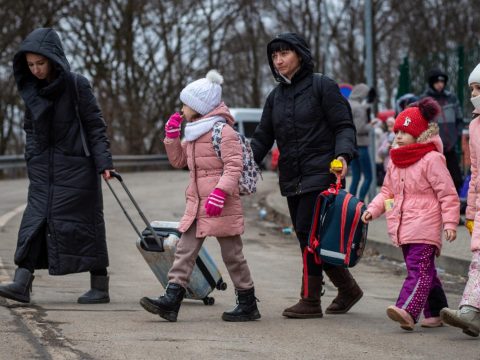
(474, 76)
(203, 95)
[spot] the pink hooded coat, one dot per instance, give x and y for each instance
(208, 172)
(424, 198)
(473, 200)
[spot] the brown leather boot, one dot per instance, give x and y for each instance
(308, 307)
(349, 293)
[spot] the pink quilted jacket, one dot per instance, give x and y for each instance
(473, 200)
(425, 201)
(207, 172)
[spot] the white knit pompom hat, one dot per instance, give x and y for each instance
(474, 76)
(203, 95)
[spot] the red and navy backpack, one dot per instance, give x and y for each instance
(338, 235)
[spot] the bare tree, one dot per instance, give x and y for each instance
(247, 78)
(17, 19)
(132, 50)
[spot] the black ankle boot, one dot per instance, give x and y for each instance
(168, 305)
(20, 288)
(246, 309)
(98, 294)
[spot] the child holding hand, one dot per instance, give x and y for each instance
(420, 200)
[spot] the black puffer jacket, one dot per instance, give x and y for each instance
(450, 119)
(311, 126)
(65, 188)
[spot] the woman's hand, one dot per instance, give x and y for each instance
(450, 235)
(366, 217)
(106, 174)
(344, 168)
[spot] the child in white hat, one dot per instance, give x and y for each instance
(213, 200)
(467, 317)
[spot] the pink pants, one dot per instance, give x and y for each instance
(187, 251)
(471, 294)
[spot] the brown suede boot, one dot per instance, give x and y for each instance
(308, 307)
(349, 293)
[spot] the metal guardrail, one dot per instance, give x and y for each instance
(18, 161)
(12, 161)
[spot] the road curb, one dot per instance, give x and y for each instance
(450, 264)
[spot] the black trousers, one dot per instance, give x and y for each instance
(301, 208)
(454, 168)
(38, 254)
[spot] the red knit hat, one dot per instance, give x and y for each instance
(414, 120)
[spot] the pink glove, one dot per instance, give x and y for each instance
(215, 201)
(172, 127)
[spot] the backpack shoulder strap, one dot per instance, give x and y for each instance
(317, 86)
(80, 125)
(217, 137)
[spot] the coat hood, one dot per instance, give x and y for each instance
(359, 92)
(431, 135)
(301, 48)
(223, 111)
(42, 41)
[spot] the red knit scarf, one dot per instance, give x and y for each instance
(407, 155)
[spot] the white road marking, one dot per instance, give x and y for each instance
(4, 219)
(3, 272)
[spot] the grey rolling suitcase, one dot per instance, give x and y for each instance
(157, 244)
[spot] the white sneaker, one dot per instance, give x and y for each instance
(467, 319)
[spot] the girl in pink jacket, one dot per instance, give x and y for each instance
(467, 317)
(213, 207)
(420, 200)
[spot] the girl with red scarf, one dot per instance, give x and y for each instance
(420, 202)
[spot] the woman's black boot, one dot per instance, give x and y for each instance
(98, 293)
(20, 288)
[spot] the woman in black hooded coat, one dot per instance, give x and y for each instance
(312, 124)
(67, 149)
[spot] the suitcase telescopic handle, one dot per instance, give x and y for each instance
(117, 176)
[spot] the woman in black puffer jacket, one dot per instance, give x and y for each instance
(67, 149)
(312, 124)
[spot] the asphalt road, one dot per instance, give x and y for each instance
(54, 326)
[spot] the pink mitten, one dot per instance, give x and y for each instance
(172, 127)
(215, 201)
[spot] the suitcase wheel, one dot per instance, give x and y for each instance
(209, 300)
(221, 285)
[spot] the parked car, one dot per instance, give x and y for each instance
(246, 121)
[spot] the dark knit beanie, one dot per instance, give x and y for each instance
(435, 75)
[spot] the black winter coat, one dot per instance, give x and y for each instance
(311, 126)
(64, 195)
(450, 119)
